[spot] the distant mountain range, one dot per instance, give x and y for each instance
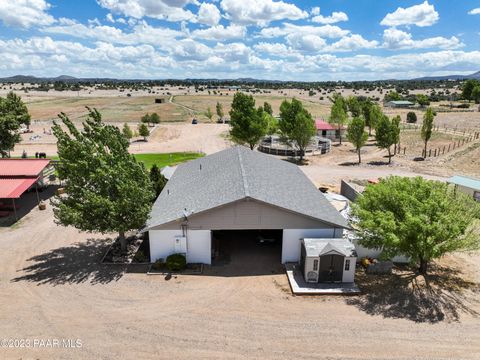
(451, 77)
(72, 79)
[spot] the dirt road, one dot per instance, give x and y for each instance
(53, 287)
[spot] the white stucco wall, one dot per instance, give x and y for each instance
(291, 244)
(162, 244)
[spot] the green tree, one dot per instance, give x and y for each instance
(354, 106)
(374, 116)
(155, 118)
(392, 96)
(247, 124)
(357, 135)
(146, 119)
(422, 100)
(417, 218)
(468, 88)
(127, 131)
(158, 180)
(268, 108)
(427, 127)
(106, 189)
(385, 135)
(13, 114)
(219, 109)
(476, 94)
(338, 115)
(209, 113)
(296, 125)
(143, 131)
(396, 132)
(272, 123)
(411, 117)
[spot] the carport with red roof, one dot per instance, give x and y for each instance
(16, 177)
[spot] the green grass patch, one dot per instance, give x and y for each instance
(166, 159)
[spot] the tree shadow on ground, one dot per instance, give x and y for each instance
(379, 163)
(349, 163)
(75, 264)
(443, 295)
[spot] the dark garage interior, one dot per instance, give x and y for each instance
(247, 252)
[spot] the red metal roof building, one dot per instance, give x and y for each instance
(16, 177)
(323, 125)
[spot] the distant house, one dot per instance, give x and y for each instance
(326, 130)
(467, 185)
(400, 104)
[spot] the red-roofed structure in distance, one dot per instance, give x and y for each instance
(16, 177)
(326, 130)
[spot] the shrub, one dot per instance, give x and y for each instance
(176, 262)
(411, 117)
(159, 264)
(140, 257)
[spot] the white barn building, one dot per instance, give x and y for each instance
(238, 190)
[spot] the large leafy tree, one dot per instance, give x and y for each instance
(396, 120)
(296, 125)
(13, 114)
(248, 125)
(427, 128)
(354, 106)
(373, 117)
(106, 189)
(468, 88)
(268, 108)
(158, 180)
(418, 218)
(357, 135)
(385, 135)
(338, 115)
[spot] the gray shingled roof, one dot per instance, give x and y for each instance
(237, 173)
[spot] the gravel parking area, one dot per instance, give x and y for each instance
(53, 287)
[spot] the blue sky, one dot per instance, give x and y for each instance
(266, 39)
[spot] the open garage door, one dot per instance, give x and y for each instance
(247, 252)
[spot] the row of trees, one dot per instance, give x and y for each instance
(471, 90)
(13, 115)
(250, 124)
(142, 130)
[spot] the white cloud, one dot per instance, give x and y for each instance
(351, 43)
(420, 15)
(260, 12)
(475, 11)
(25, 13)
(337, 16)
(171, 10)
(220, 32)
(208, 14)
(110, 18)
(398, 39)
(306, 42)
(326, 31)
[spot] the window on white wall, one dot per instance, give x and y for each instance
(315, 265)
(347, 265)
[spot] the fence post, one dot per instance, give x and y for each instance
(435, 153)
(404, 149)
(448, 148)
(430, 153)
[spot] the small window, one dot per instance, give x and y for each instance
(347, 265)
(315, 265)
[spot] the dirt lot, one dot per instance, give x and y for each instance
(54, 288)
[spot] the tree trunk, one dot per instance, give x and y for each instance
(251, 146)
(422, 269)
(340, 135)
(369, 131)
(425, 156)
(395, 149)
(389, 155)
(123, 241)
(359, 156)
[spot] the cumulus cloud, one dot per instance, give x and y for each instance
(475, 11)
(420, 15)
(171, 10)
(260, 12)
(398, 39)
(326, 31)
(337, 16)
(220, 32)
(351, 43)
(25, 13)
(208, 14)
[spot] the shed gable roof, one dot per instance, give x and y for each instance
(234, 174)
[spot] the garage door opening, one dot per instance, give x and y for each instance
(247, 252)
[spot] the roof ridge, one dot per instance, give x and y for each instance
(242, 170)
